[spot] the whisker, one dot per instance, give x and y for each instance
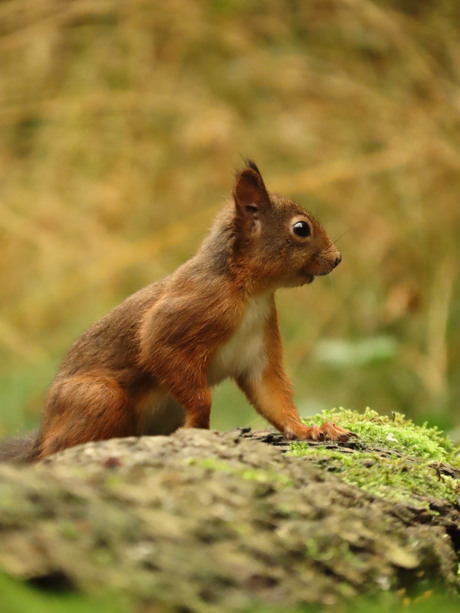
(343, 234)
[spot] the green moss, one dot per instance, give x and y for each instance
(391, 602)
(397, 459)
(395, 432)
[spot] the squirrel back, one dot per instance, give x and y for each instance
(148, 366)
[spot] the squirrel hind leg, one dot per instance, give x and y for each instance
(85, 408)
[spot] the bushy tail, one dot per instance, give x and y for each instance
(20, 449)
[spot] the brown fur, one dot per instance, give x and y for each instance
(20, 449)
(148, 366)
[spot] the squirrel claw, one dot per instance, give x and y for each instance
(333, 432)
(329, 431)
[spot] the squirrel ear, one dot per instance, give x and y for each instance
(249, 192)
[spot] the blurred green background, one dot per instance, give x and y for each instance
(122, 124)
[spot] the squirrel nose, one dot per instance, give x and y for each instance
(337, 260)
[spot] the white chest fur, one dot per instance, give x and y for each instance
(245, 349)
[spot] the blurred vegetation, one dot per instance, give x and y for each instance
(121, 123)
(16, 596)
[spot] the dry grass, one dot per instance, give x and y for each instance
(121, 123)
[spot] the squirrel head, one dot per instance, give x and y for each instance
(281, 244)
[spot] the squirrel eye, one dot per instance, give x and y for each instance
(301, 228)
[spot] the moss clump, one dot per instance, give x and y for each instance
(396, 432)
(393, 458)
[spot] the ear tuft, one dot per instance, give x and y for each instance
(251, 164)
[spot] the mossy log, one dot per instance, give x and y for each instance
(208, 521)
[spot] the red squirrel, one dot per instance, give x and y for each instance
(148, 366)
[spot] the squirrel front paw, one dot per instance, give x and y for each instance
(329, 431)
